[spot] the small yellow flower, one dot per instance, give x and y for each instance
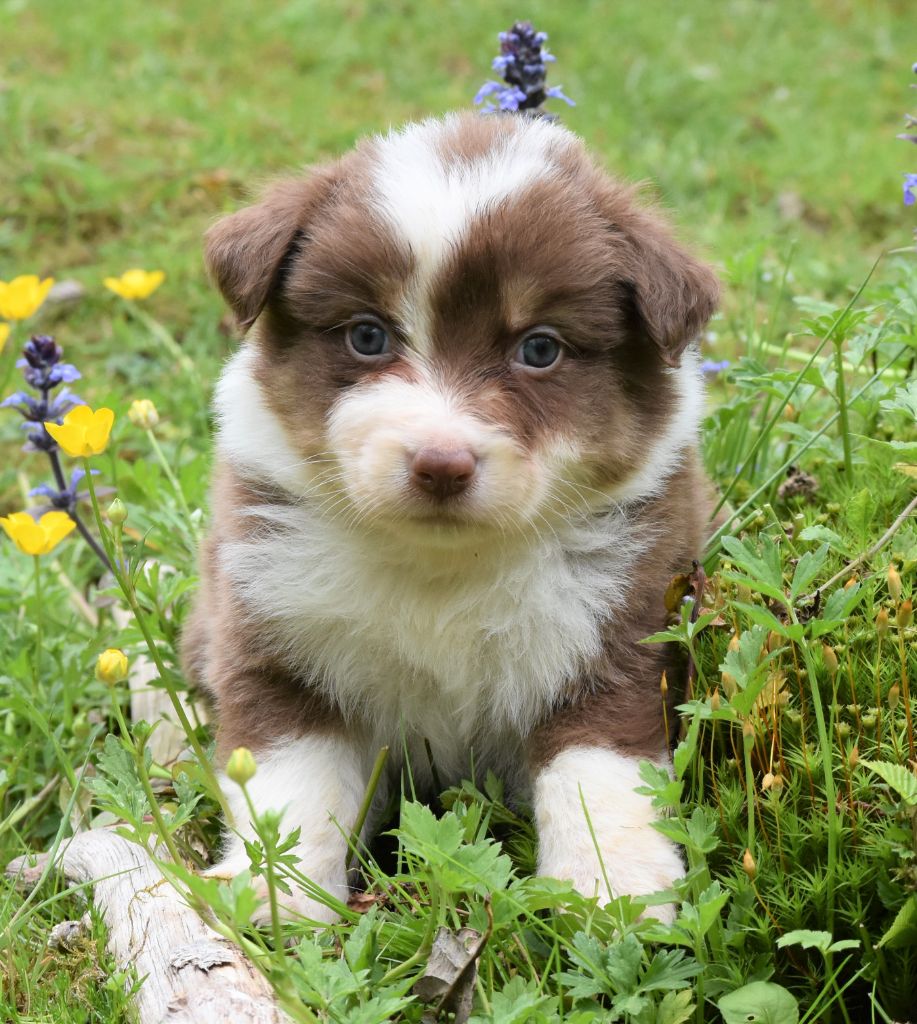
(241, 766)
(143, 414)
(111, 666)
(135, 284)
(83, 431)
(37, 537)
(4, 335)
(22, 296)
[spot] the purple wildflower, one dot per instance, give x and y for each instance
(710, 367)
(910, 184)
(522, 62)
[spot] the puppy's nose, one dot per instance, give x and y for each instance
(443, 472)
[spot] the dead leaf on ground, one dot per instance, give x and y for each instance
(449, 977)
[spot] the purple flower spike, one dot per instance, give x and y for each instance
(522, 62)
(910, 184)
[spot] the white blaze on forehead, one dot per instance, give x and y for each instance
(430, 199)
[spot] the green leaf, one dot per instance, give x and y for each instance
(806, 938)
(763, 566)
(761, 1002)
(902, 931)
(825, 535)
(860, 511)
(676, 1007)
(835, 610)
(807, 568)
(901, 780)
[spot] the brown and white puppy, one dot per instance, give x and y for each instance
(456, 468)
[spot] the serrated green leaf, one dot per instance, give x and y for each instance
(903, 930)
(901, 780)
(860, 511)
(676, 1007)
(810, 564)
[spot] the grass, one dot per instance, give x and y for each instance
(768, 129)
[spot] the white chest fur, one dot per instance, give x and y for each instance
(440, 645)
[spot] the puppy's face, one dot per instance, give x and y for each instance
(464, 326)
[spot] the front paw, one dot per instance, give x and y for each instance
(596, 832)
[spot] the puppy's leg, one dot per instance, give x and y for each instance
(636, 858)
(317, 781)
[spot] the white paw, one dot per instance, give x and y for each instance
(627, 856)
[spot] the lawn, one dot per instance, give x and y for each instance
(768, 130)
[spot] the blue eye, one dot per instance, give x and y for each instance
(368, 339)
(539, 351)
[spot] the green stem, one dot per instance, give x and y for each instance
(748, 741)
(36, 668)
(270, 872)
(165, 675)
(171, 477)
(842, 407)
(140, 761)
(362, 814)
(830, 790)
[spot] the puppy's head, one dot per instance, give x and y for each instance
(462, 326)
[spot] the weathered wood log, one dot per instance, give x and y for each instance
(191, 975)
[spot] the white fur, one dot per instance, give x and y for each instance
(667, 452)
(465, 645)
(430, 203)
(318, 783)
(249, 435)
(637, 859)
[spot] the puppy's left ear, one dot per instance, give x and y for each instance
(674, 294)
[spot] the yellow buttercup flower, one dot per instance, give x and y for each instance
(4, 334)
(37, 537)
(135, 284)
(83, 431)
(22, 296)
(111, 666)
(143, 414)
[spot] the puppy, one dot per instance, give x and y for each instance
(456, 468)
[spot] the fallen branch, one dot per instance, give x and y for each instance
(190, 974)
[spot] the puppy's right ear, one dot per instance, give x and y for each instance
(245, 251)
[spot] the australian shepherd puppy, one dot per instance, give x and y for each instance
(456, 468)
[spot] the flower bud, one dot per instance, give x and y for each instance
(117, 512)
(111, 667)
(748, 865)
(715, 700)
(853, 758)
(748, 732)
(830, 659)
(843, 730)
(664, 685)
(143, 414)
(777, 784)
(241, 766)
(882, 623)
(894, 583)
(767, 781)
(893, 694)
(905, 614)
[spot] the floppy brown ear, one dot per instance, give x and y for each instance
(674, 294)
(245, 251)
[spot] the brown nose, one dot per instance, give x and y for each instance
(443, 472)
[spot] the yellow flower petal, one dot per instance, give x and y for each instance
(99, 430)
(21, 297)
(4, 334)
(55, 526)
(37, 538)
(83, 432)
(135, 283)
